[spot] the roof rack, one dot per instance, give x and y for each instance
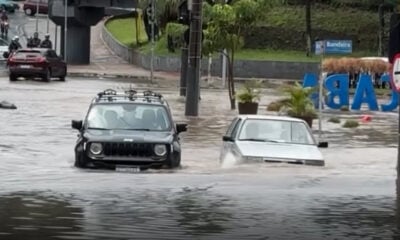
(131, 95)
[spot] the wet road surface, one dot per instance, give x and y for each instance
(42, 196)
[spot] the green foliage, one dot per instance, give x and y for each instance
(334, 120)
(299, 103)
(176, 30)
(277, 105)
(351, 124)
(250, 92)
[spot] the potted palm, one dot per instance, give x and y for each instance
(248, 96)
(299, 103)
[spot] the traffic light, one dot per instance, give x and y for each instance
(394, 36)
(184, 13)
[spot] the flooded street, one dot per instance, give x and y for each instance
(43, 196)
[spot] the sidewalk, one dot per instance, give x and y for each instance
(105, 64)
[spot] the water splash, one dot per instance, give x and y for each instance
(229, 161)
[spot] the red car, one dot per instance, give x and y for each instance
(31, 6)
(36, 62)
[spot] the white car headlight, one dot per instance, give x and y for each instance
(96, 148)
(160, 150)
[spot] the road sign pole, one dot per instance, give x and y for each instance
(320, 95)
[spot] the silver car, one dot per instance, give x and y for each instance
(261, 138)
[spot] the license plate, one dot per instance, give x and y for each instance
(128, 169)
(25, 66)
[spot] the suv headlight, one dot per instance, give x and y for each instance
(160, 149)
(96, 148)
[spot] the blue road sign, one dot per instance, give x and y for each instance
(338, 46)
(333, 47)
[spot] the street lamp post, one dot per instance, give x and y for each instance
(153, 17)
(65, 29)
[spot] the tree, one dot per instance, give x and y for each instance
(225, 31)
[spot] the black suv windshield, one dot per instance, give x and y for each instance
(128, 117)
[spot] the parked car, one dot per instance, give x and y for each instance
(259, 138)
(36, 62)
(9, 6)
(30, 7)
(128, 130)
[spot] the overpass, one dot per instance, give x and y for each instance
(81, 15)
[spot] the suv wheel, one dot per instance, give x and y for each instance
(175, 161)
(80, 161)
(29, 12)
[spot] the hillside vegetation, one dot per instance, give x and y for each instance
(281, 33)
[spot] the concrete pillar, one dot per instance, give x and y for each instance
(78, 44)
(79, 21)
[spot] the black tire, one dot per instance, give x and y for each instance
(62, 77)
(47, 76)
(175, 161)
(13, 78)
(80, 161)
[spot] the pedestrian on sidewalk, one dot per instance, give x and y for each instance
(35, 40)
(29, 43)
(46, 43)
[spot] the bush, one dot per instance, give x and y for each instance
(334, 120)
(344, 108)
(351, 124)
(174, 32)
(276, 105)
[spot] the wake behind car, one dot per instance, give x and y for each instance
(36, 62)
(258, 138)
(125, 130)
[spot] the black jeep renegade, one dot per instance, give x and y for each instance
(128, 129)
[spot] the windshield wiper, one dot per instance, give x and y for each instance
(138, 129)
(258, 140)
(96, 128)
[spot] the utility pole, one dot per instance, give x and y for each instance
(194, 57)
(153, 18)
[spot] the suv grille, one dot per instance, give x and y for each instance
(128, 149)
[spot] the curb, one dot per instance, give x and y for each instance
(112, 76)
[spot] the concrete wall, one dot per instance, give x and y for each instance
(243, 68)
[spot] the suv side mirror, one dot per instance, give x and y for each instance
(323, 144)
(6, 54)
(181, 127)
(227, 139)
(76, 124)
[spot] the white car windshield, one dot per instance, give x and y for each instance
(129, 117)
(275, 131)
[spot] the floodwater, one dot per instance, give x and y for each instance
(42, 196)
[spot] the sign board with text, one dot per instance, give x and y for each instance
(333, 47)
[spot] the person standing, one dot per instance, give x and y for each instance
(36, 40)
(46, 43)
